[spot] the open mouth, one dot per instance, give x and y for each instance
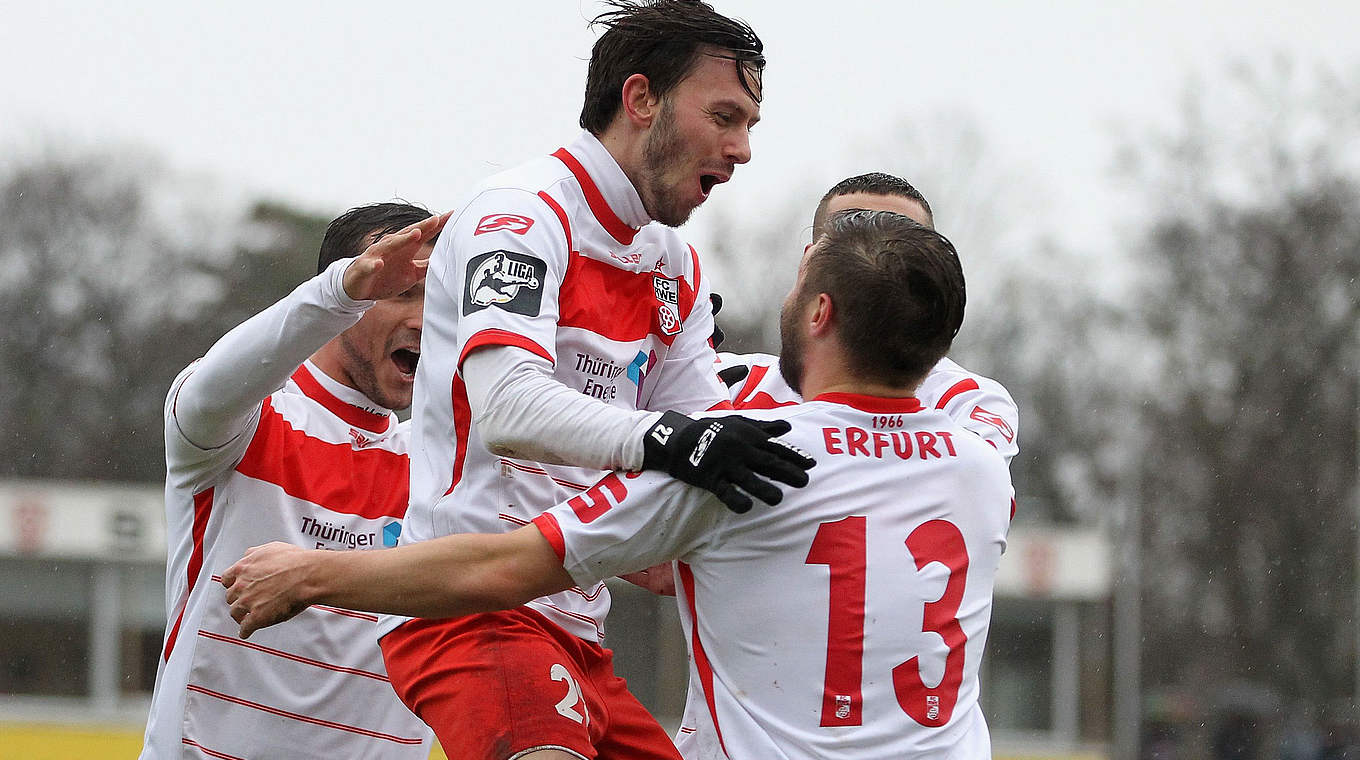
(406, 361)
(708, 181)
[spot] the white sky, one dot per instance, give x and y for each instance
(333, 104)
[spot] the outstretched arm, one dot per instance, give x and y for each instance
(445, 577)
(217, 399)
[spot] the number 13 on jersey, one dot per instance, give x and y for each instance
(840, 545)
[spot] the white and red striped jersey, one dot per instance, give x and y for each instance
(847, 622)
(557, 257)
(977, 403)
(314, 464)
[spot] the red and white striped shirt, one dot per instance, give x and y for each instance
(558, 258)
(314, 464)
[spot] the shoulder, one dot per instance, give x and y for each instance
(948, 380)
(727, 359)
(796, 414)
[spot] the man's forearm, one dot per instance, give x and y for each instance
(256, 357)
(445, 577)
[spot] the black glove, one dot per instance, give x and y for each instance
(734, 374)
(724, 454)
(717, 338)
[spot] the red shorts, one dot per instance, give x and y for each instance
(498, 684)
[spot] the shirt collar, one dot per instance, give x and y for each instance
(341, 400)
(873, 404)
(601, 176)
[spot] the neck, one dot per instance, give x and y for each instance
(858, 388)
(327, 359)
(625, 147)
(825, 370)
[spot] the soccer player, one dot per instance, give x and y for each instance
(283, 431)
(847, 623)
(566, 334)
(977, 403)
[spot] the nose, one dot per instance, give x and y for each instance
(739, 148)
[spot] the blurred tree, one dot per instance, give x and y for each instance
(113, 276)
(1249, 476)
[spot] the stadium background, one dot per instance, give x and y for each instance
(1156, 210)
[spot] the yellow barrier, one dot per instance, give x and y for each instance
(37, 741)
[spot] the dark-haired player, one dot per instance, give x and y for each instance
(566, 333)
(978, 403)
(847, 623)
(284, 431)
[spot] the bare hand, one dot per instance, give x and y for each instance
(394, 263)
(266, 586)
(658, 579)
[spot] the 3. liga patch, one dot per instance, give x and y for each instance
(505, 279)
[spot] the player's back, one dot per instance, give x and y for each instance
(849, 621)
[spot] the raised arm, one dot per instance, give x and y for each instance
(217, 398)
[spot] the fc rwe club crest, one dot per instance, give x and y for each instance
(668, 312)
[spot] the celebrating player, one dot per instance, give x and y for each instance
(264, 443)
(848, 622)
(566, 333)
(977, 403)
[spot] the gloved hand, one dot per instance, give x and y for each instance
(734, 374)
(717, 338)
(726, 455)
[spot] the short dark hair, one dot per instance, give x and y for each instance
(353, 231)
(661, 39)
(896, 288)
(873, 183)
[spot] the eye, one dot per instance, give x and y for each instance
(722, 117)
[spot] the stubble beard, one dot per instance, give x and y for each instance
(661, 153)
(790, 349)
(364, 375)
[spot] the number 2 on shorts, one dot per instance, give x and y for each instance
(567, 705)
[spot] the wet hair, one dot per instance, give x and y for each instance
(355, 230)
(896, 288)
(873, 183)
(662, 40)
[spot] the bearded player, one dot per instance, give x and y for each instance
(566, 334)
(284, 431)
(847, 623)
(978, 403)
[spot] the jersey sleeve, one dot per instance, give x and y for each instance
(523, 412)
(499, 264)
(763, 387)
(630, 521)
(985, 407)
(214, 404)
(689, 381)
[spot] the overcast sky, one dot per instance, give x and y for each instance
(333, 104)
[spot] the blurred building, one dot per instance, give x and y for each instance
(82, 619)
